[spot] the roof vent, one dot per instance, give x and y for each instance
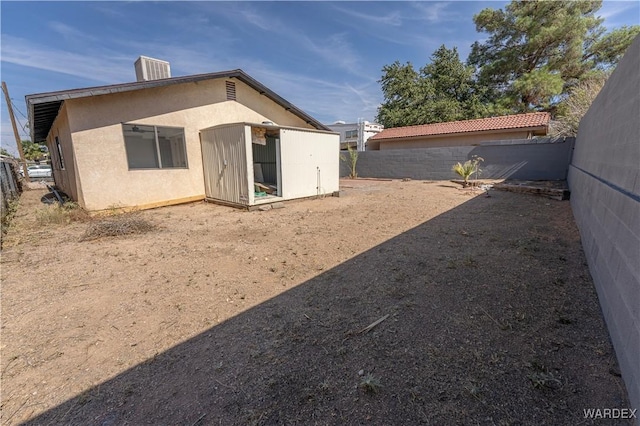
(151, 69)
(231, 90)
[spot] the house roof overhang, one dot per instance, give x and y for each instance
(43, 108)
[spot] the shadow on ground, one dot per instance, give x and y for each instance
(492, 319)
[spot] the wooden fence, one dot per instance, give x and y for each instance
(10, 183)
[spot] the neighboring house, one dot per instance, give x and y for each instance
(355, 135)
(463, 133)
(139, 144)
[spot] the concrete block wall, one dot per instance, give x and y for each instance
(604, 178)
(526, 159)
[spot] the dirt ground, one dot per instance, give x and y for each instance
(396, 303)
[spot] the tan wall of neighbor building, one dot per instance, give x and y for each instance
(65, 179)
(99, 149)
(455, 140)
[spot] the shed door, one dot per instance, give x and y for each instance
(309, 162)
(224, 164)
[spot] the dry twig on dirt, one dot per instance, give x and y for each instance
(373, 324)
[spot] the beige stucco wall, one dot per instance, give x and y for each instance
(455, 140)
(98, 143)
(65, 178)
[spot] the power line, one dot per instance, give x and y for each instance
(24, 127)
(16, 108)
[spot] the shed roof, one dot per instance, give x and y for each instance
(43, 107)
(534, 121)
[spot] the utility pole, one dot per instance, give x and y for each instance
(15, 131)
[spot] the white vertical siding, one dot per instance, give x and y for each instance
(309, 163)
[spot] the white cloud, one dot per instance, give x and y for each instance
(335, 51)
(69, 32)
(259, 20)
(100, 67)
(397, 27)
(393, 19)
(611, 10)
(433, 12)
(243, 14)
(325, 100)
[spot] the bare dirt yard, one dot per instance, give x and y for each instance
(398, 303)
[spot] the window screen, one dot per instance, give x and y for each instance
(154, 147)
(59, 151)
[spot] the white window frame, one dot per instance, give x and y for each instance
(157, 147)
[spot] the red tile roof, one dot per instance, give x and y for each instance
(518, 121)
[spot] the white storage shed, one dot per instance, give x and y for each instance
(248, 164)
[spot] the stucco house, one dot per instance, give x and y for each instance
(463, 133)
(139, 144)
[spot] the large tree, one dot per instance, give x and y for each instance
(455, 95)
(537, 50)
(442, 90)
(402, 93)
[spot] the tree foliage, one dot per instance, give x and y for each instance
(455, 94)
(575, 106)
(538, 50)
(400, 86)
(534, 54)
(442, 90)
(32, 151)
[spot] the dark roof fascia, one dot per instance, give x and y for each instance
(53, 100)
(272, 126)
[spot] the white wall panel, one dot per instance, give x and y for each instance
(309, 163)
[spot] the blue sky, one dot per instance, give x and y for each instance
(324, 57)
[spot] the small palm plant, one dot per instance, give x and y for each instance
(467, 169)
(352, 161)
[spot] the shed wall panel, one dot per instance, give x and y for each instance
(224, 162)
(310, 163)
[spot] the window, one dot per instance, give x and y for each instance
(154, 147)
(59, 151)
(351, 134)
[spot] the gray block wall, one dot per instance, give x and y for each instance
(604, 178)
(526, 159)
